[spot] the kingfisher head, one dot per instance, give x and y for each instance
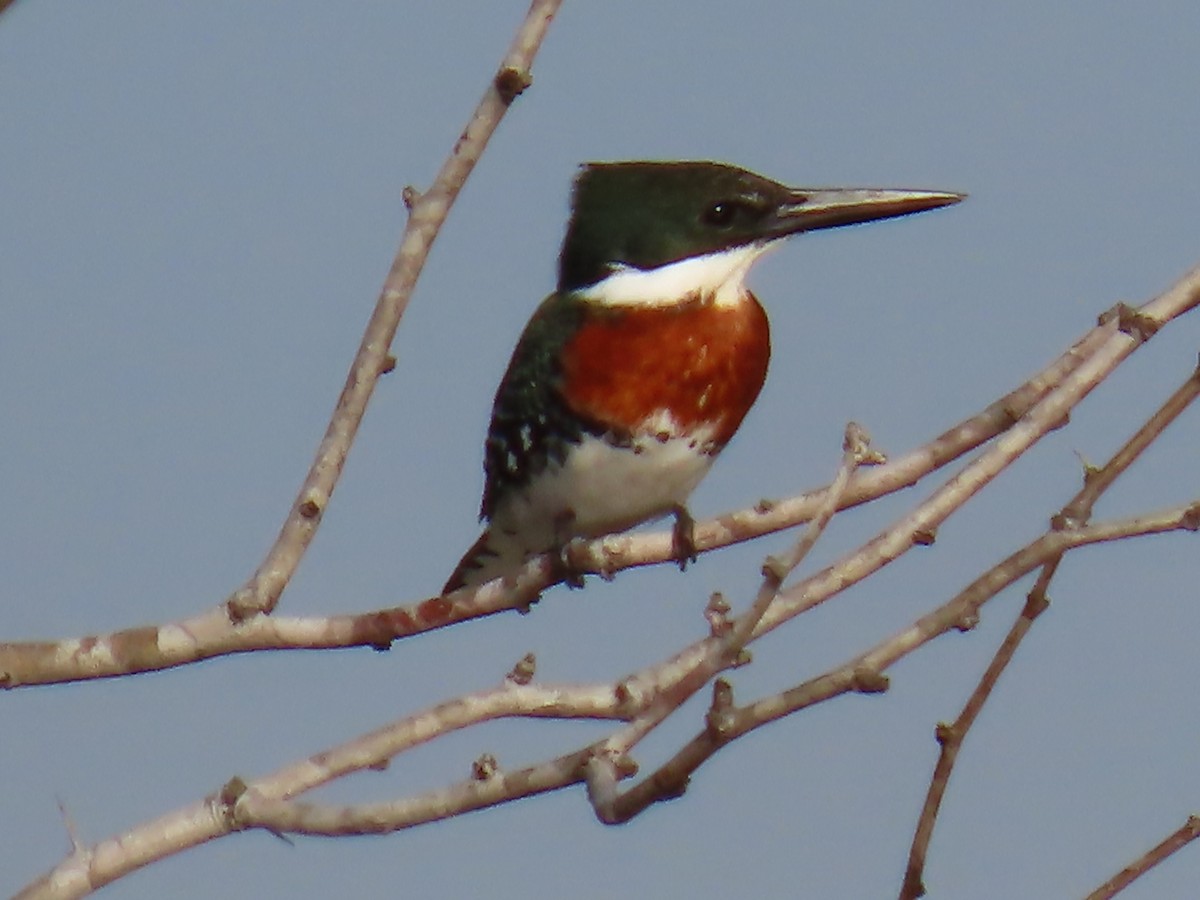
(656, 232)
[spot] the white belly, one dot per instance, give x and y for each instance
(600, 488)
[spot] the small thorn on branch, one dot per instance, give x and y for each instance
(925, 537)
(1090, 469)
(522, 673)
(69, 825)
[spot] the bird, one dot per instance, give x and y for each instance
(632, 376)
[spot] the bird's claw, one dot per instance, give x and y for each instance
(568, 570)
(683, 537)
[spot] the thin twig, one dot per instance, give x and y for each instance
(951, 738)
(1074, 514)
(88, 868)
(427, 213)
(611, 762)
(1177, 840)
(864, 673)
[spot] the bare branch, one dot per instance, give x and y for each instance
(725, 649)
(212, 633)
(1177, 840)
(1074, 514)
(427, 213)
(951, 738)
(267, 802)
(864, 672)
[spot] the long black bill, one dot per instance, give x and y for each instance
(811, 209)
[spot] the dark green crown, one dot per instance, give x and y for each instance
(647, 214)
(643, 215)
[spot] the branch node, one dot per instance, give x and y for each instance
(388, 364)
(1090, 469)
(511, 83)
(625, 765)
(764, 506)
(1190, 521)
(411, 196)
(924, 537)
(719, 720)
(1067, 520)
(484, 768)
(522, 673)
(227, 798)
(1132, 322)
(870, 681)
(1036, 603)
(774, 570)
(243, 605)
(1012, 412)
(717, 613)
(310, 507)
(858, 441)
(968, 620)
(629, 699)
(945, 733)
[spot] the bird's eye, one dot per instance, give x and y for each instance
(720, 214)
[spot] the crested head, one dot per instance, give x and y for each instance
(644, 231)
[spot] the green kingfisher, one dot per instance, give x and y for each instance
(633, 375)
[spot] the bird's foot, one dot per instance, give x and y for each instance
(683, 537)
(567, 570)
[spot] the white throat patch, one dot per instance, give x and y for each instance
(719, 275)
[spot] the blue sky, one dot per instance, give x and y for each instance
(200, 203)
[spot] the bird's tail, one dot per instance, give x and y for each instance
(496, 553)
